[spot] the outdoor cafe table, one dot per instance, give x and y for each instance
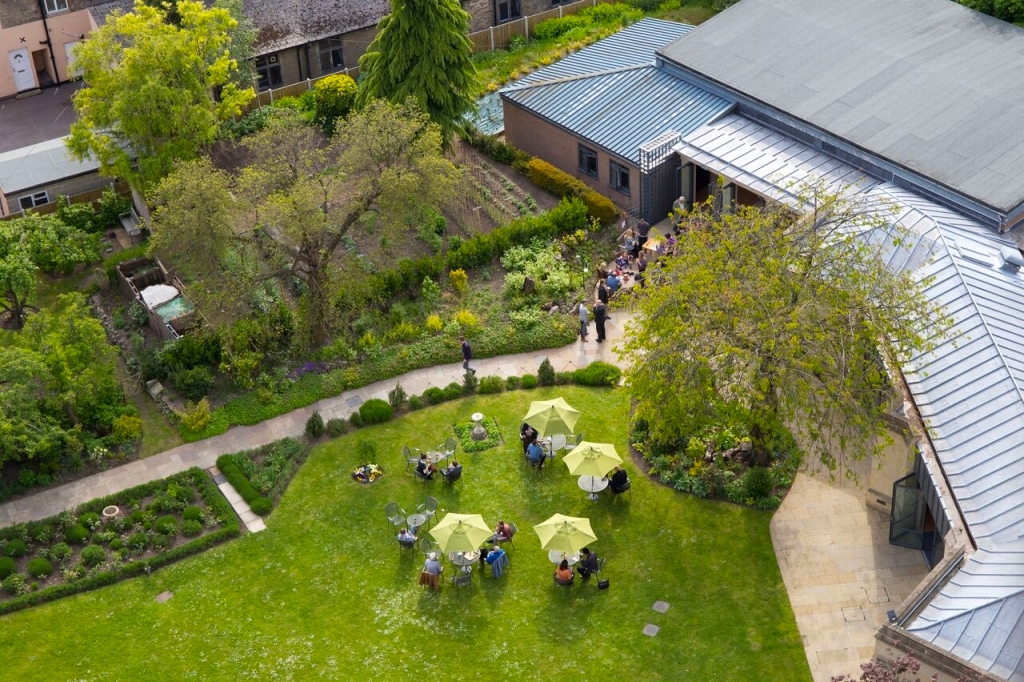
(416, 520)
(593, 485)
(436, 457)
(464, 559)
(553, 444)
(556, 557)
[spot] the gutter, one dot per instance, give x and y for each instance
(49, 43)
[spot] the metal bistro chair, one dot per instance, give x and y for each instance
(563, 583)
(449, 447)
(395, 514)
(572, 440)
(410, 459)
(627, 488)
(462, 580)
(600, 565)
(454, 476)
(426, 546)
(403, 544)
(428, 509)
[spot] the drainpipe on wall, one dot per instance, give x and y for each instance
(49, 43)
(298, 58)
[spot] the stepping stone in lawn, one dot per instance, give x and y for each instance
(660, 606)
(164, 596)
(651, 630)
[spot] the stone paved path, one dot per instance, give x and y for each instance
(204, 453)
(840, 571)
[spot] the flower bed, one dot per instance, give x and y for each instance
(158, 523)
(464, 432)
(263, 473)
(368, 473)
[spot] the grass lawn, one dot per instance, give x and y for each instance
(325, 592)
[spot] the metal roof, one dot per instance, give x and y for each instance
(927, 84)
(611, 94)
(969, 388)
(38, 165)
(634, 45)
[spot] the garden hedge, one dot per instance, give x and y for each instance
(558, 182)
(242, 486)
(207, 490)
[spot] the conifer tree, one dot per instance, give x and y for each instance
(422, 50)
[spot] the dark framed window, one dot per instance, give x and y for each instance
(588, 161)
(268, 71)
(618, 177)
(54, 6)
(330, 55)
(33, 200)
(506, 10)
(556, 3)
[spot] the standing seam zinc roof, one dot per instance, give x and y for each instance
(613, 95)
(968, 388)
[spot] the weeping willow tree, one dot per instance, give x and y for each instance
(790, 318)
(422, 51)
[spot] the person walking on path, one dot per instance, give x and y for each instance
(467, 355)
(584, 319)
(600, 316)
(602, 292)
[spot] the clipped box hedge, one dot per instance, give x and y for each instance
(211, 497)
(560, 183)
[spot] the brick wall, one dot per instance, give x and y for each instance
(482, 13)
(560, 148)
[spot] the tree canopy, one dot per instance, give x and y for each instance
(789, 318)
(288, 214)
(34, 243)
(149, 98)
(422, 51)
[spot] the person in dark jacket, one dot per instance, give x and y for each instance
(467, 355)
(587, 564)
(602, 292)
(618, 480)
(600, 316)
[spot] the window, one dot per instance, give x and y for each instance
(729, 198)
(618, 178)
(588, 161)
(268, 70)
(330, 55)
(556, 3)
(506, 10)
(33, 200)
(54, 6)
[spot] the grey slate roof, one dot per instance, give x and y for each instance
(969, 389)
(283, 24)
(927, 84)
(39, 165)
(612, 94)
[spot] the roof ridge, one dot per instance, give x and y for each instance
(579, 76)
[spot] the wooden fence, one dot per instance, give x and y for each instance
(493, 38)
(498, 37)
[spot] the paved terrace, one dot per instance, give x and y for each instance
(35, 119)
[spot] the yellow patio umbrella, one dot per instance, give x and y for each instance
(460, 532)
(654, 238)
(549, 417)
(567, 534)
(592, 459)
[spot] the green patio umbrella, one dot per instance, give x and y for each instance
(460, 532)
(567, 534)
(549, 417)
(592, 459)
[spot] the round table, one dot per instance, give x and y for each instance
(416, 520)
(593, 485)
(435, 457)
(557, 442)
(556, 557)
(464, 558)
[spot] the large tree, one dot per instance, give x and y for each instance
(790, 318)
(31, 244)
(292, 208)
(422, 51)
(150, 97)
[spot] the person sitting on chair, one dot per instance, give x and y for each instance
(406, 538)
(502, 532)
(527, 434)
(618, 480)
(425, 468)
(588, 563)
(535, 454)
(564, 573)
(452, 468)
(432, 565)
(495, 554)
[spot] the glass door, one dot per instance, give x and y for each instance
(906, 525)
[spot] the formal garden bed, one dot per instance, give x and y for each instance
(464, 432)
(111, 538)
